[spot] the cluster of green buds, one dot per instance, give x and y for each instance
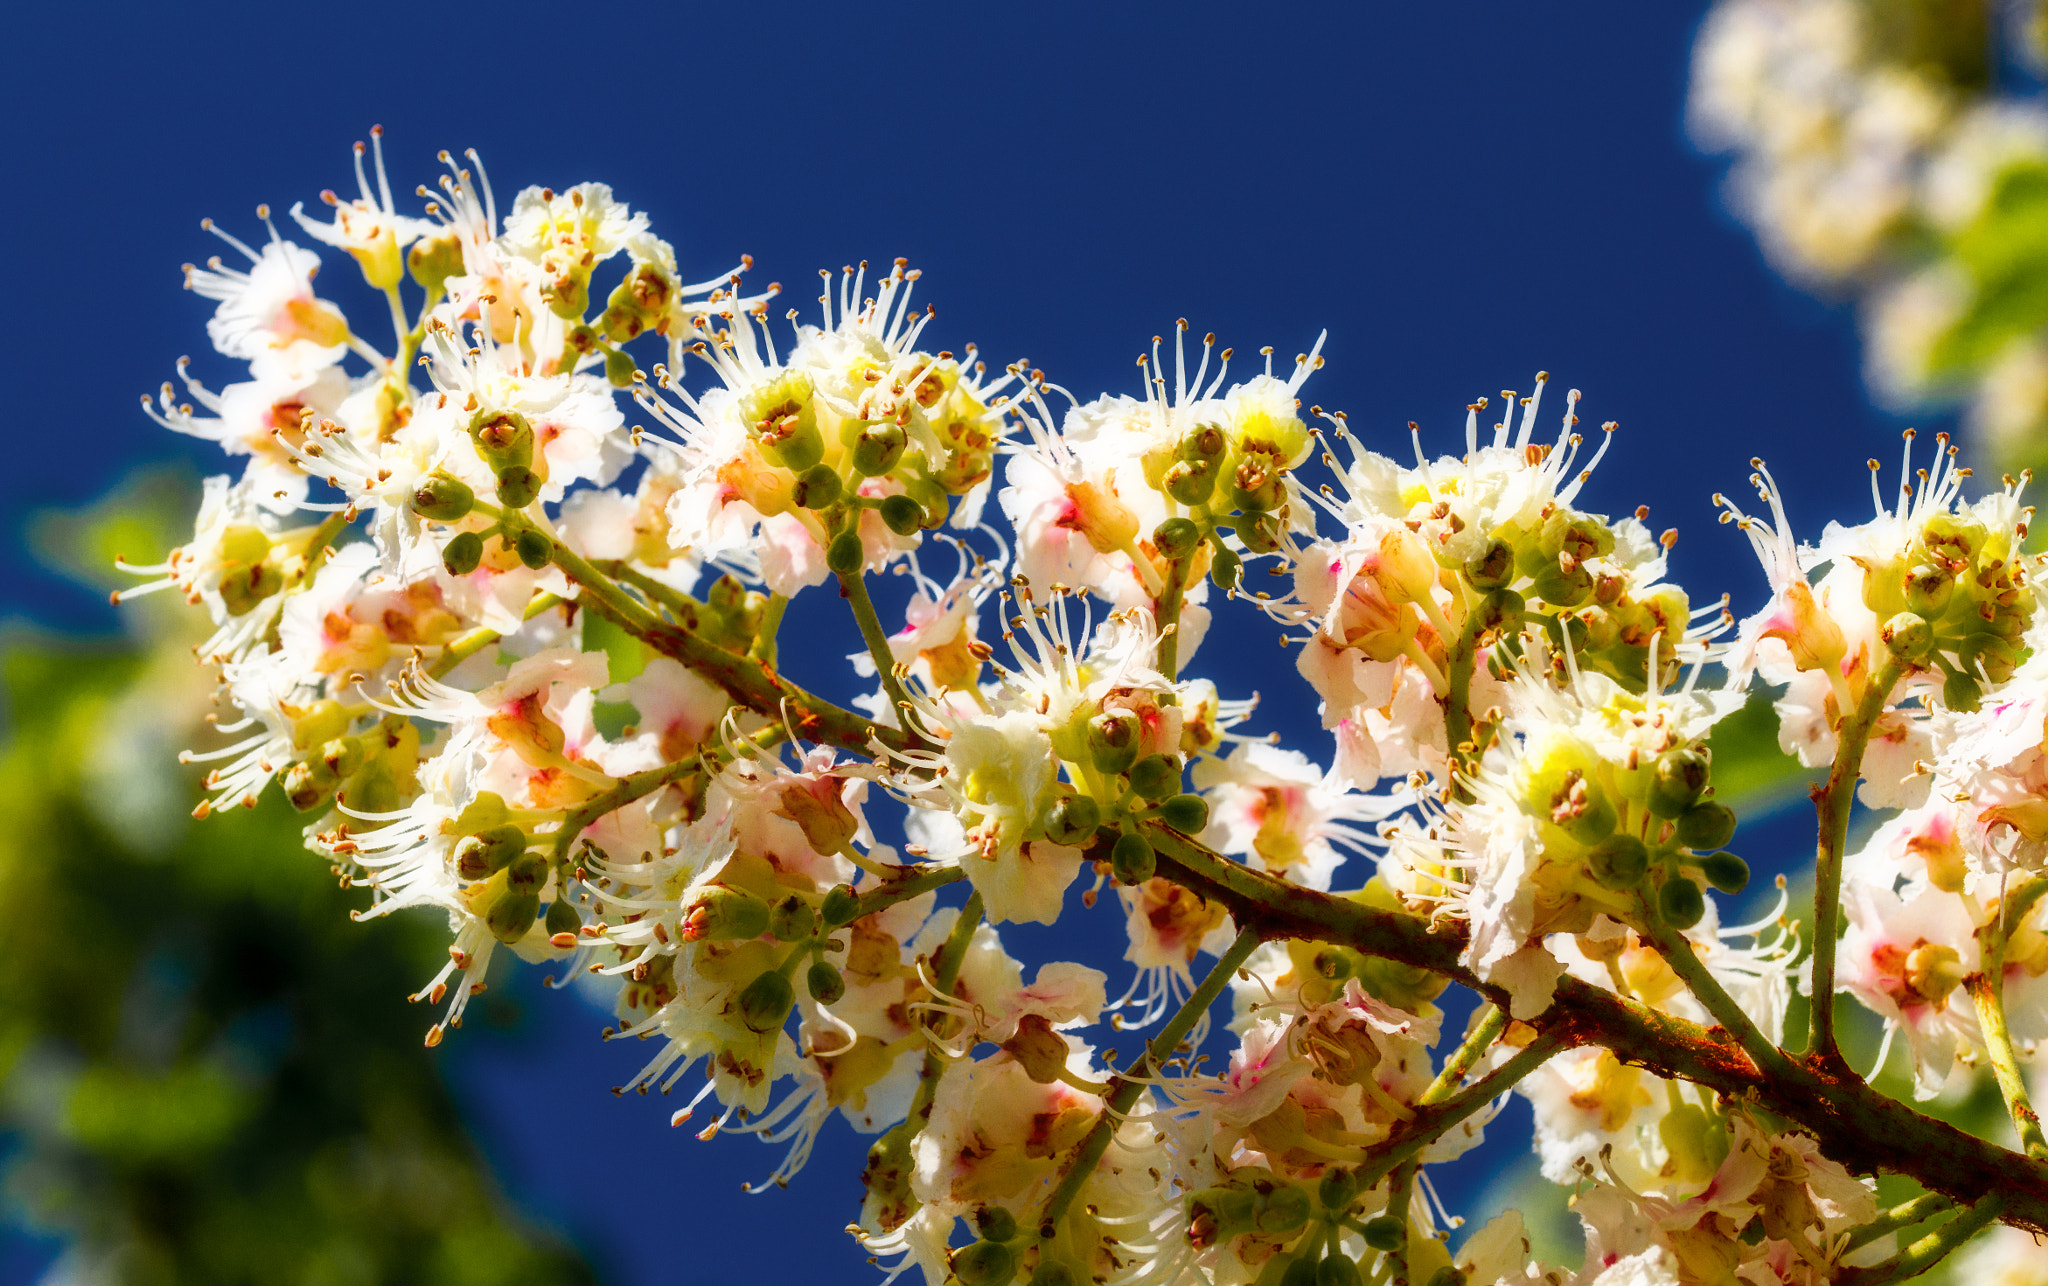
(1300, 1218)
(504, 873)
(1228, 474)
(1634, 831)
(1120, 788)
(1956, 599)
(1000, 1249)
(372, 770)
(769, 931)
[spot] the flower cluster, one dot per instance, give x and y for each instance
(516, 658)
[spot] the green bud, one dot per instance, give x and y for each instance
(765, 1002)
(1726, 872)
(517, 486)
(1227, 569)
(1677, 781)
(1581, 536)
(1072, 820)
(1502, 610)
(824, 982)
(1493, 568)
(563, 917)
(996, 1223)
(1386, 1232)
(878, 449)
(1929, 586)
(842, 906)
(1336, 1270)
(1619, 861)
(817, 488)
(1681, 903)
(533, 548)
(793, 920)
(307, 784)
(1338, 1190)
(902, 515)
(1113, 740)
(1961, 692)
(441, 498)
(1203, 442)
(1299, 1272)
(433, 260)
(1563, 583)
(1706, 825)
(1188, 814)
(527, 873)
(619, 369)
(1131, 859)
(1283, 1209)
(985, 1263)
(487, 852)
(1220, 1213)
(722, 913)
(463, 553)
(511, 915)
(1333, 963)
(845, 555)
(503, 438)
(1155, 777)
(241, 591)
(1051, 1272)
(1176, 538)
(1190, 482)
(1907, 635)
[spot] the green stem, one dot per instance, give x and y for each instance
(680, 606)
(1435, 1119)
(884, 896)
(1462, 1059)
(1987, 988)
(1832, 803)
(1166, 615)
(638, 786)
(946, 962)
(855, 587)
(469, 643)
(1125, 1088)
(1458, 678)
(1904, 1215)
(1929, 1250)
(771, 625)
(1685, 962)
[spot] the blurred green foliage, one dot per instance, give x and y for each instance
(205, 1065)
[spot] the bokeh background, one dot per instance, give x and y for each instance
(206, 1071)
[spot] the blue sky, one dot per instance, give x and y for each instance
(1462, 194)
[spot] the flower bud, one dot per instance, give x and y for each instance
(619, 368)
(1131, 859)
(1564, 582)
(1907, 635)
(1203, 442)
(503, 438)
(1219, 1213)
(1188, 814)
(1619, 861)
(1176, 538)
(841, 906)
(1072, 820)
(995, 1223)
(1336, 1270)
(441, 498)
(517, 486)
(307, 785)
(845, 556)
(563, 920)
(1386, 1232)
(1038, 1049)
(1681, 903)
(1155, 777)
(1338, 1190)
(878, 448)
(487, 852)
(511, 915)
(825, 983)
(722, 913)
(764, 1003)
(433, 260)
(1677, 781)
(1113, 738)
(1961, 693)
(1493, 567)
(1260, 533)
(533, 548)
(817, 488)
(1190, 482)
(1228, 568)
(1299, 1272)
(241, 591)
(463, 553)
(1050, 1272)
(1726, 872)
(902, 515)
(1283, 1209)
(793, 920)
(784, 422)
(1706, 825)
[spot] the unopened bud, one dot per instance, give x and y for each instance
(441, 498)
(1929, 586)
(1051, 1272)
(1706, 825)
(1962, 693)
(845, 555)
(902, 515)
(1619, 861)
(1726, 872)
(817, 488)
(1681, 903)
(503, 438)
(307, 785)
(1113, 739)
(1131, 859)
(722, 913)
(1260, 533)
(1302, 1271)
(1677, 781)
(995, 1223)
(1283, 1209)
(1176, 538)
(517, 486)
(985, 1263)
(1188, 814)
(463, 553)
(1386, 1232)
(1190, 482)
(1493, 568)
(1336, 1270)
(619, 368)
(764, 1003)
(433, 260)
(1219, 1213)
(1072, 820)
(841, 906)
(825, 983)
(1338, 1190)
(1155, 777)
(533, 548)
(563, 918)
(1227, 569)
(793, 919)
(1907, 635)
(878, 448)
